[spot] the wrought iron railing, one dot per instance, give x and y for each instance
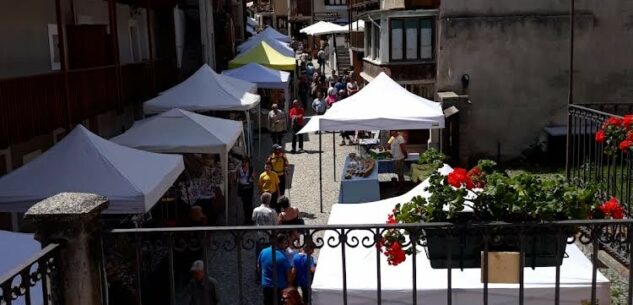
(587, 162)
(30, 282)
(154, 263)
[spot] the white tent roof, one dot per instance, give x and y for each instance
(277, 45)
(324, 27)
(357, 26)
(251, 21)
(263, 76)
(382, 104)
(131, 179)
(274, 34)
(23, 246)
(361, 267)
(205, 90)
(250, 30)
(180, 131)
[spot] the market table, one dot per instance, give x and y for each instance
(359, 189)
(386, 166)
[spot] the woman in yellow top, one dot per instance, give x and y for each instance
(269, 183)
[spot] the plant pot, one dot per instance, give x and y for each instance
(467, 245)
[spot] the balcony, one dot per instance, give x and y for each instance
(357, 41)
(151, 266)
(366, 5)
(35, 105)
(402, 71)
(301, 8)
(587, 162)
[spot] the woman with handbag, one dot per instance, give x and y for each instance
(245, 185)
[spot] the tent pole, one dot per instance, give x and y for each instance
(259, 122)
(334, 154)
(225, 167)
(320, 174)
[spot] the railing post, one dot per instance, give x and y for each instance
(72, 219)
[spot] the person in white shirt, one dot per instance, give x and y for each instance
(399, 154)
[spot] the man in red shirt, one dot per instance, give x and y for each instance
(296, 114)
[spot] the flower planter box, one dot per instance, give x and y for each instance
(466, 250)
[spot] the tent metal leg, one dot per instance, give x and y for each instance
(320, 174)
(334, 154)
(259, 123)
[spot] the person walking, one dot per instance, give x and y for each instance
(263, 215)
(296, 114)
(245, 188)
(318, 105)
(303, 268)
(279, 164)
(202, 289)
(269, 183)
(321, 60)
(275, 280)
(276, 124)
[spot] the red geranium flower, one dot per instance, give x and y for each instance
(625, 145)
(476, 178)
(612, 208)
(613, 121)
(458, 177)
(628, 120)
(391, 219)
(600, 136)
(395, 254)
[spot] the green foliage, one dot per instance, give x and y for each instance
(522, 197)
(432, 157)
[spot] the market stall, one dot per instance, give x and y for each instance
(262, 53)
(383, 104)
(324, 27)
(266, 79)
(279, 46)
(131, 179)
(274, 34)
(180, 131)
(396, 282)
(206, 91)
(359, 180)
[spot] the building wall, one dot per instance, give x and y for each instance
(517, 55)
(24, 48)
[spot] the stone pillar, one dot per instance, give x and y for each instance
(72, 220)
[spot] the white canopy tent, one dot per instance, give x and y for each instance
(207, 90)
(264, 77)
(274, 34)
(323, 28)
(277, 45)
(251, 21)
(131, 179)
(383, 104)
(357, 26)
(22, 247)
(396, 281)
(180, 131)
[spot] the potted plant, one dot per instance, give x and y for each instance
(428, 162)
(485, 195)
(616, 134)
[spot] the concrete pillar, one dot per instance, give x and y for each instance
(72, 220)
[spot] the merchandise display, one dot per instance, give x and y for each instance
(359, 166)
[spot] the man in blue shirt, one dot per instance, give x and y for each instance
(282, 266)
(303, 268)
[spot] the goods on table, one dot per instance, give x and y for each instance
(379, 153)
(359, 166)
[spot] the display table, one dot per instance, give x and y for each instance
(386, 166)
(396, 282)
(359, 189)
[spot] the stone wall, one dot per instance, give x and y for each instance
(517, 56)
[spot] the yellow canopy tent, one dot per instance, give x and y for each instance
(265, 55)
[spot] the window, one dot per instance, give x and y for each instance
(411, 39)
(376, 42)
(372, 40)
(335, 2)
